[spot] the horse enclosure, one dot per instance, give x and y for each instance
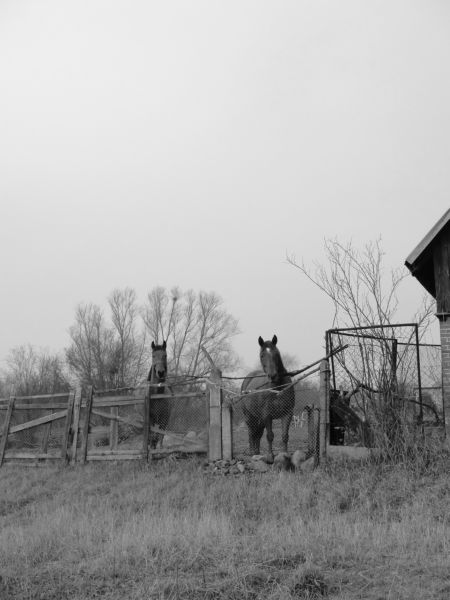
(205, 418)
(333, 401)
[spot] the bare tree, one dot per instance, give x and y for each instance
(356, 282)
(33, 371)
(365, 295)
(93, 347)
(130, 359)
(189, 321)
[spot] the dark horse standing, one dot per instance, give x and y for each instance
(159, 407)
(268, 395)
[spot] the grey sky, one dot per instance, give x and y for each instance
(196, 143)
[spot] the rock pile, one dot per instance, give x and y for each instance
(259, 464)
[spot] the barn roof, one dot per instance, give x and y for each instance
(420, 260)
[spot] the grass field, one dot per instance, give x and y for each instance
(170, 531)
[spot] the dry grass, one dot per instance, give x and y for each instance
(168, 531)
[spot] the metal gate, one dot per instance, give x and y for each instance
(380, 362)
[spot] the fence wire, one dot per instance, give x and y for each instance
(381, 366)
(178, 419)
(30, 431)
(249, 431)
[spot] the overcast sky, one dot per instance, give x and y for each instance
(196, 143)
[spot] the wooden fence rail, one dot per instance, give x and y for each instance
(76, 411)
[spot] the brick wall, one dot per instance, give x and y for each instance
(445, 349)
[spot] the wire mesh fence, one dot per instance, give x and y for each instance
(293, 414)
(382, 371)
(178, 421)
(141, 422)
(109, 424)
(33, 427)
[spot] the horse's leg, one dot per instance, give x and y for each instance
(255, 432)
(165, 416)
(270, 436)
(285, 423)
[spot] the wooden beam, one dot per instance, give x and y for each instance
(31, 456)
(75, 425)
(117, 401)
(36, 406)
(114, 428)
(40, 421)
(114, 417)
(6, 426)
(87, 417)
(114, 457)
(67, 431)
(215, 416)
(227, 431)
(43, 396)
(46, 437)
(324, 391)
(441, 261)
(146, 432)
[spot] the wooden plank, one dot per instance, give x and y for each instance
(428, 239)
(179, 396)
(200, 449)
(31, 456)
(114, 428)
(114, 457)
(118, 401)
(311, 430)
(40, 421)
(43, 396)
(67, 430)
(87, 417)
(324, 391)
(146, 431)
(75, 425)
(227, 431)
(441, 257)
(126, 400)
(133, 451)
(37, 406)
(114, 417)
(45, 438)
(215, 416)
(6, 426)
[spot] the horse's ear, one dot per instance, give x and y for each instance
(164, 345)
(260, 341)
(153, 345)
(274, 340)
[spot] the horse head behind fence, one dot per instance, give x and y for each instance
(159, 407)
(268, 395)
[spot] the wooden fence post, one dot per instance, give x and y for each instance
(146, 432)
(75, 424)
(114, 428)
(215, 447)
(5, 431)
(324, 406)
(68, 428)
(312, 433)
(227, 431)
(45, 438)
(87, 417)
(215, 416)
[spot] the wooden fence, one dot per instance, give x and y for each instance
(75, 427)
(78, 427)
